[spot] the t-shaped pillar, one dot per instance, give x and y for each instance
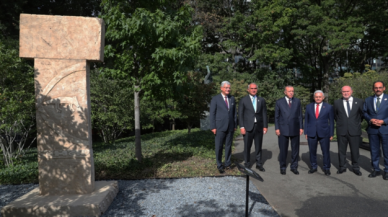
(62, 47)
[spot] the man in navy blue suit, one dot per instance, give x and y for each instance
(288, 127)
(319, 127)
(223, 122)
(376, 114)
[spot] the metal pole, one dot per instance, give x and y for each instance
(247, 198)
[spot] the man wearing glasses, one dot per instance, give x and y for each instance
(376, 114)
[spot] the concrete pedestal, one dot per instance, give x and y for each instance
(34, 204)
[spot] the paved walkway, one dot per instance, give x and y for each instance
(316, 194)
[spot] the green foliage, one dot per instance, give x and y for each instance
(151, 47)
(17, 101)
(195, 100)
(362, 84)
(112, 110)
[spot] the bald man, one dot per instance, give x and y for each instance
(348, 115)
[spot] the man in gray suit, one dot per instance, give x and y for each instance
(252, 113)
(348, 115)
(223, 122)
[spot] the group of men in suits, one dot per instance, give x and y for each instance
(348, 112)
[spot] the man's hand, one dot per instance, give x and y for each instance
(242, 131)
(214, 131)
(377, 122)
(265, 130)
(306, 136)
(277, 132)
(331, 138)
(235, 129)
(300, 132)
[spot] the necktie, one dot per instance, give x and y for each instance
(348, 105)
(317, 111)
(378, 103)
(226, 101)
(289, 103)
(254, 102)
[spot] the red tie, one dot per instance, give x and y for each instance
(226, 101)
(317, 112)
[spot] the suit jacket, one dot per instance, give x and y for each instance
(382, 114)
(324, 125)
(351, 124)
(288, 120)
(247, 114)
(220, 117)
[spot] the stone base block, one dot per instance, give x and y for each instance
(34, 204)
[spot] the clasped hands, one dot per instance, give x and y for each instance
(377, 122)
(278, 132)
(243, 131)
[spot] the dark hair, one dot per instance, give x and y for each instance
(377, 82)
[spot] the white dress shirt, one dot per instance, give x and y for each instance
(375, 100)
(288, 100)
(254, 107)
(223, 97)
(350, 104)
(320, 107)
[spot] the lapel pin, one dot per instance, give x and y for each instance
(385, 99)
(323, 106)
(355, 102)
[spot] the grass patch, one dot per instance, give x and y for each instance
(166, 154)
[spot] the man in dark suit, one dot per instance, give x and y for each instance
(252, 113)
(319, 127)
(376, 114)
(223, 122)
(348, 115)
(288, 126)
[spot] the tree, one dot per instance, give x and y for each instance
(111, 102)
(361, 83)
(195, 99)
(152, 44)
(17, 102)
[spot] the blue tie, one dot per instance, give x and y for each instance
(254, 102)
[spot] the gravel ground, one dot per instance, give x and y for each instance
(174, 197)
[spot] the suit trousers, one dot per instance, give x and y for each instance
(283, 147)
(325, 147)
(255, 135)
(374, 142)
(221, 138)
(354, 144)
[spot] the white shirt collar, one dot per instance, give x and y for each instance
(381, 96)
(350, 99)
(223, 96)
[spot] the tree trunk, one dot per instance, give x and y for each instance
(137, 124)
(188, 127)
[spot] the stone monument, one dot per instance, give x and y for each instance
(62, 47)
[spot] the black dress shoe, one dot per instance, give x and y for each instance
(283, 171)
(385, 177)
(261, 168)
(340, 171)
(295, 171)
(374, 174)
(221, 170)
(327, 172)
(357, 172)
(312, 171)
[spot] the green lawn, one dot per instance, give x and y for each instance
(166, 154)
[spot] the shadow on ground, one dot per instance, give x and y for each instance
(342, 206)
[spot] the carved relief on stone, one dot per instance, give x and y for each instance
(61, 103)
